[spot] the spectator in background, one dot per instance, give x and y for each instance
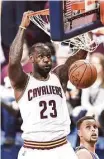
(2, 57)
(8, 120)
(98, 35)
(73, 96)
(96, 92)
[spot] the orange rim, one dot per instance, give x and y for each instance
(41, 12)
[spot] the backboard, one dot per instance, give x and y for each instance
(71, 18)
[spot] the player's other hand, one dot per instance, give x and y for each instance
(25, 19)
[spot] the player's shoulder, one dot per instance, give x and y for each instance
(56, 70)
(83, 153)
(30, 76)
(53, 75)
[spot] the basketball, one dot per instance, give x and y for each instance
(82, 74)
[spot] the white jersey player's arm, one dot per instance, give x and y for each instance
(62, 70)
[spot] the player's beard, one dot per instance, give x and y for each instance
(43, 71)
(93, 141)
(90, 140)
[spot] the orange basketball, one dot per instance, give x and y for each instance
(82, 74)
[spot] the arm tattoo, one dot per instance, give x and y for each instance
(16, 48)
(17, 76)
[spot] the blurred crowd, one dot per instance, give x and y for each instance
(88, 101)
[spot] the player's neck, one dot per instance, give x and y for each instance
(89, 146)
(39, 76)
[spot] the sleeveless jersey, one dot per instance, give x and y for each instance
(44, 110)
(94, 155)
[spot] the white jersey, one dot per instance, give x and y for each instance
(44, 110)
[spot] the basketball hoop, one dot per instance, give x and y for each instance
(83, 41)
(41, 19)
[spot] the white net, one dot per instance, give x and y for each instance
(84, 42)
(42, 21)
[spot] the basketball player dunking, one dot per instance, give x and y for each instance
(41, 99)
(88, 134)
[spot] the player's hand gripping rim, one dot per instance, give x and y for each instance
(25, 19)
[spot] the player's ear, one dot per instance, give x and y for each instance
(79, 133)
(31, 58)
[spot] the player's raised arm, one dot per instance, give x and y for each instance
(62, 71)
(17, 76)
